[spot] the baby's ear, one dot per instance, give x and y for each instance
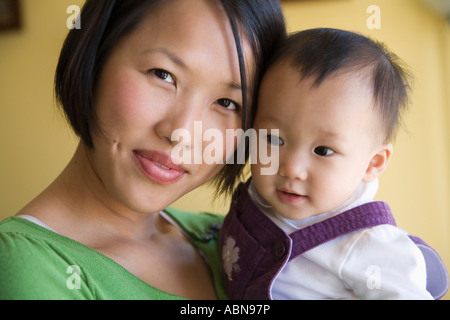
(378, 163)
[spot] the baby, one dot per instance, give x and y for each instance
(313, 231)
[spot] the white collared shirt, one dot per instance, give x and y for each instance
(376, 263)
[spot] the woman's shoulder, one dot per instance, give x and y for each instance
(38, 263)
(30, 268)
(16, 231)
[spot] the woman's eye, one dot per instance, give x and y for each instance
(275, 140)
(324, 151)
(163, 75)
(229, 104)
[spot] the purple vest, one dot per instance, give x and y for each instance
(264, 248)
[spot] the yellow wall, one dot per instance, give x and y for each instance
(35, 142)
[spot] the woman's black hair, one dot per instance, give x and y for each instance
(106, 22)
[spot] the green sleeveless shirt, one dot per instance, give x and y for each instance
(36, 263)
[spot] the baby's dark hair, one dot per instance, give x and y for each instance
(322, 52)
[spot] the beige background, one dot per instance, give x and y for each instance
(36, 143)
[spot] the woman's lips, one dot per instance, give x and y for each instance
(158, 166)
(290, 197)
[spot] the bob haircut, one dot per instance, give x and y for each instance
(106, 22)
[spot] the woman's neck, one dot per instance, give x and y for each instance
(77, 200)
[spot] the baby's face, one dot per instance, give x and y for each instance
(328, 136)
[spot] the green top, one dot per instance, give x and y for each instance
(36, 263)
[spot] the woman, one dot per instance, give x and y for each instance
(134, 73)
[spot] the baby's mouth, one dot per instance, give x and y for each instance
(290, 197)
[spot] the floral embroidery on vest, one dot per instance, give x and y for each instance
(230, 255)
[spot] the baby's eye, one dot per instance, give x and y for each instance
(229, 104)
(324, 151)
(275, 140)
(163, 75)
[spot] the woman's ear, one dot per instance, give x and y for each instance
(378, 163)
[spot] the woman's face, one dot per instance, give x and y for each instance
(179, 67)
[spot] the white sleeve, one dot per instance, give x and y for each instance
(383, 263)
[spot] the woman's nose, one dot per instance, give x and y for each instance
(181, 120)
